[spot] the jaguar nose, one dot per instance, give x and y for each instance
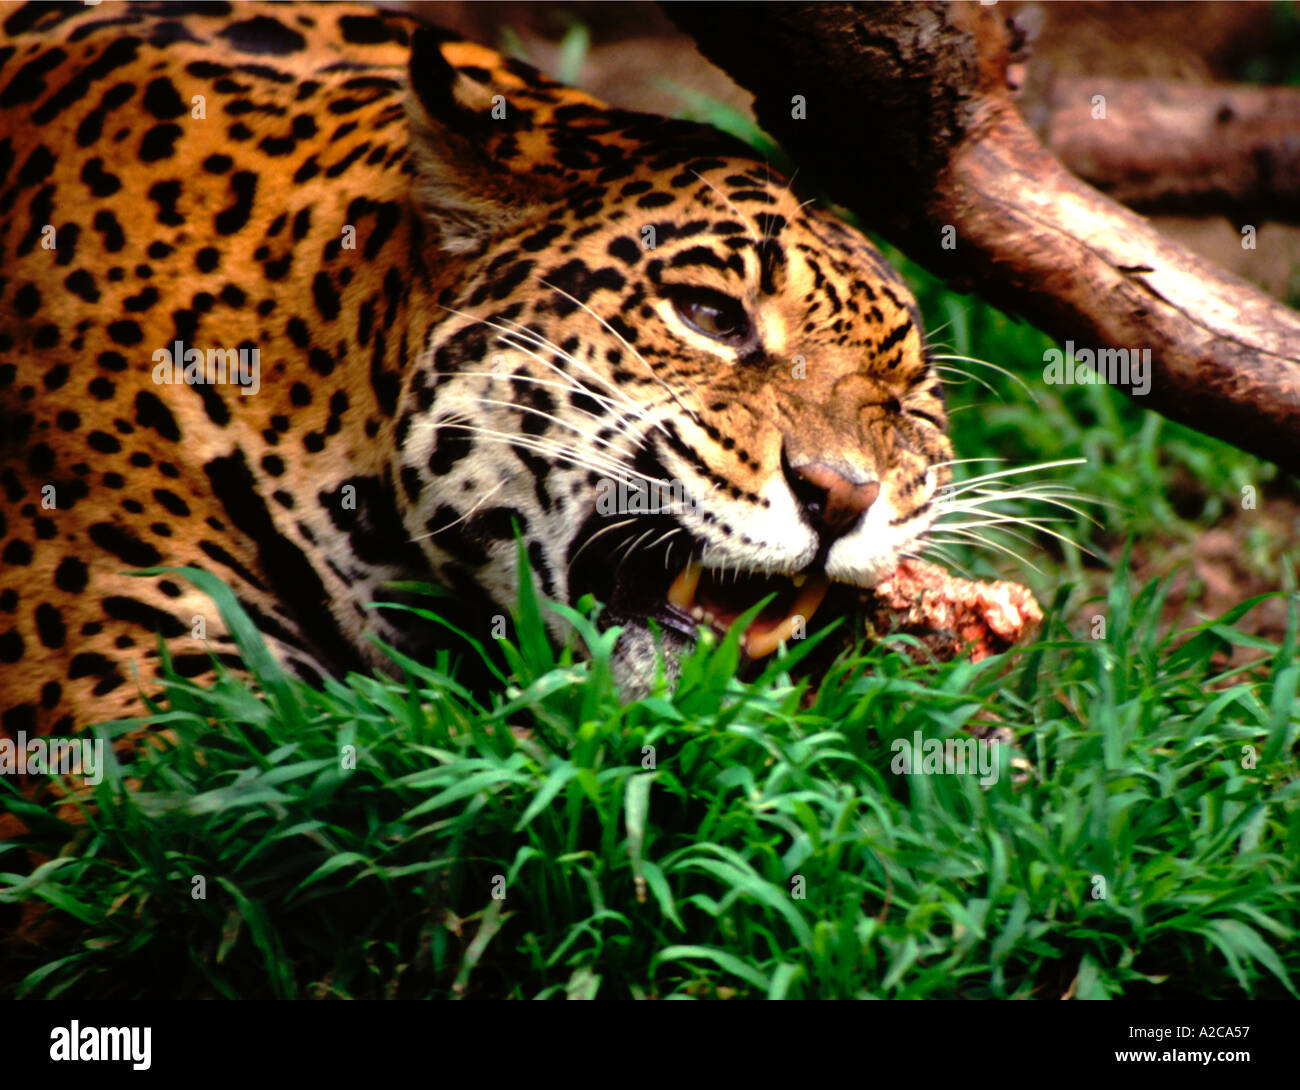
(832, 502)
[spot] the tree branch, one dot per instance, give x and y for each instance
(1182, 147)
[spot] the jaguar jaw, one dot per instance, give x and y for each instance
(681, 594)
(709, 598)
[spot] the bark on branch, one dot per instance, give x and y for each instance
(909, 123)
(1181, 147)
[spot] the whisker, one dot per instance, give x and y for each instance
(991, 544)
(978, 504)
(556, 450)
(604, 530)
(666, 536)
(929, 337)
(628, 548)
(468, 514)
(966, 376)
(940, 550)
(1019, 469)
(523, 331)
(594, 437)
(619, 422)
(623, 407)
(1038, 525)
(691, 414)
(992, 367)
(963, 461)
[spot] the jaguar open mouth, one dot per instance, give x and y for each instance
(671, 586)
(713, 599)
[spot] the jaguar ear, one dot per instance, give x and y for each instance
(469, 196)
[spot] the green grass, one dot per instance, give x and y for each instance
(399, 838)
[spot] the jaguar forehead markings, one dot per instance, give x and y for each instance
(473, 297)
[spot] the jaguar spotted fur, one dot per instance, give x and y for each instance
(318, 299)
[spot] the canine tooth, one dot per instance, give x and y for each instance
(697, 612)
(682, 592)
(798, 580)
(757, 645)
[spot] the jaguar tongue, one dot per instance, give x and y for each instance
(695, 592)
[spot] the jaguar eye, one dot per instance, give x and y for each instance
(713, 314)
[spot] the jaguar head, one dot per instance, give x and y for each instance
(684, 387)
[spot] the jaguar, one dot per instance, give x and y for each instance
(326, 302)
